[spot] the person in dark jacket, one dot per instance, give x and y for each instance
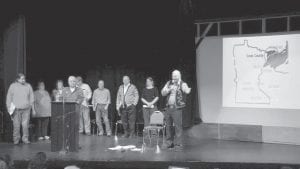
(175, 90)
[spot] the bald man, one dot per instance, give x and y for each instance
(175, 90)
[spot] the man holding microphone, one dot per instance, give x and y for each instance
(175, 90)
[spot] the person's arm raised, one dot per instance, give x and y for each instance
(166, 90)
(186, 89)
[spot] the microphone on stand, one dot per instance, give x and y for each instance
(64, 150)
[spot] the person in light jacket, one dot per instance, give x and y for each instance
(127, 99)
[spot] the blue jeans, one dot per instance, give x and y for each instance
(128, 117)
(101, 112)
(174, 116)
(84, 119)
(20, 118)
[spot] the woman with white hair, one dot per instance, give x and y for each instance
(72, 93)
(175, 90)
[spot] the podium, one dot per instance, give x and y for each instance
(64, 127)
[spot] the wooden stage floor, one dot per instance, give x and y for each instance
(95, 148)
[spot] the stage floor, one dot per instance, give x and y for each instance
(95, 148)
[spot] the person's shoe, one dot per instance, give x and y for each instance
(88, 134)
(47, 137)
(41, 138)
(100, 134)
(16, 142)
(108, 135)
(26, 141)
(167, 146)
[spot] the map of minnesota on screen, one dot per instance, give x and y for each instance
(262, 71)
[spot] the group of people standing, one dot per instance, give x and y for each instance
(21, 96)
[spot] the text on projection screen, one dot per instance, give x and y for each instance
(262, 71)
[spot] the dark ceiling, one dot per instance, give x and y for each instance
(116, 32)
(203, 9)
(213, 9)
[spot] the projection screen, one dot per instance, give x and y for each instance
(261, 71)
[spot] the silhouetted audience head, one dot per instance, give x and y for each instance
(6, 162)
(3, 164)
(38, 161)
(71, 167)
(286, 167)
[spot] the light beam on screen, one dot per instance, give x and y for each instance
(262, 71)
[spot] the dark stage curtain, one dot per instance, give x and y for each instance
(185, 61)
(1, 88)
(14, 58)
(187, 53)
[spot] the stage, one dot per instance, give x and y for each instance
(206, 153)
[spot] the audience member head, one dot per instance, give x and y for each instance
(21, 78)
(8, 160)
(286, 167)
(176, 76)
(3, 164)
(59, 84)
(71, 167)
(72, 81)
(79, 80)
(41, 85)
(38, 161)
(101, 84)
(126, 80)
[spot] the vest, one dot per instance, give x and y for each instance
(180, 96)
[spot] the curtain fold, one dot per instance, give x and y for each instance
(14, 61)
(187, 51)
